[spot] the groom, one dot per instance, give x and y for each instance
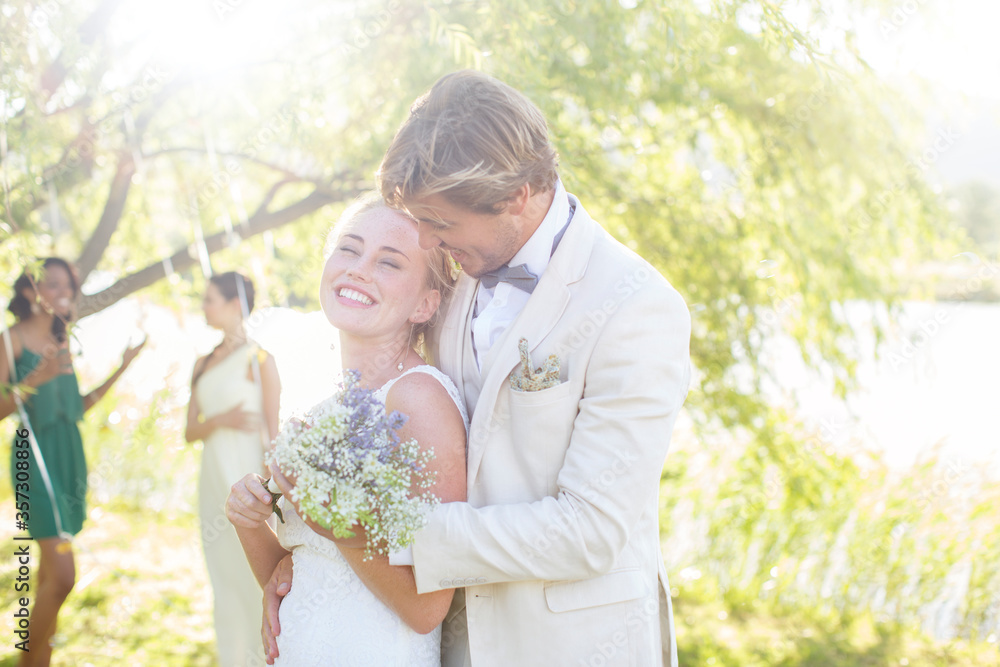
(556, 555)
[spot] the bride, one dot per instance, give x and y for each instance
(381, 291)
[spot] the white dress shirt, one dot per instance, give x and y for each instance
(497, 308)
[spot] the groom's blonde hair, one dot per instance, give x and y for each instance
(472, 139)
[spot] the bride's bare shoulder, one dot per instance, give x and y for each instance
(421, 390)
(423, 398)
(434, 421)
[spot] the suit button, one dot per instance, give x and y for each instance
(481, 580)
(445, 583)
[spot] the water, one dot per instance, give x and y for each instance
(935, 383)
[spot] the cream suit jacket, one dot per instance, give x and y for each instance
(558, 546)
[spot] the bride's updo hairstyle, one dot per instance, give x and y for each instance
(441, 270)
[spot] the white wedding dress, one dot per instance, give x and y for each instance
(329, 617)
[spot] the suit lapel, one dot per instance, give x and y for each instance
(540, 315)
(454, 330)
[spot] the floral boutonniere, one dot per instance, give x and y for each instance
(525, 379)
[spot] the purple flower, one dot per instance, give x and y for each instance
(359, 452)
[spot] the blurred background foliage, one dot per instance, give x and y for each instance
(710, 136)
(744, 147)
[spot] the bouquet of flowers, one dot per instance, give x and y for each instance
(352, 468)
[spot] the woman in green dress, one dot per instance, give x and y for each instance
(44, 379)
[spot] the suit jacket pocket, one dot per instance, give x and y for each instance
(541, 396)
(618, 586)
(541, 423)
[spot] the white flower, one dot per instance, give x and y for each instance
(349, 471)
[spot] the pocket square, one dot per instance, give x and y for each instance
(525, 379)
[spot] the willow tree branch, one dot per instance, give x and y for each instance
(185, 258)
(110, 217)
(284, 171)
(55, 74)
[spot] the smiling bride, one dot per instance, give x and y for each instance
(381, 290)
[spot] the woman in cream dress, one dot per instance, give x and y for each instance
(234, 411)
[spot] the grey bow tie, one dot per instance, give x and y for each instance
(519, 276)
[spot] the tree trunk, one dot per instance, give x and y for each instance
(106, 226)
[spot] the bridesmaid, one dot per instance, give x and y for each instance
(42, 363)
(236, 417)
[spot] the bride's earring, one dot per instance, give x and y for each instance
(409, 342)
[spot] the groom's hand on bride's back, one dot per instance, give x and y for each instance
(277, 587)
(249, 502)
(249, 506)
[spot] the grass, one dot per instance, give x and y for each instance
(142, 595)
(709, 634)
(143, 598)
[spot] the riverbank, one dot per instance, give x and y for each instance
(967, 277)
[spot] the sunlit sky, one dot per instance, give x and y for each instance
(952, 46)
(950, 42)
(205, 35)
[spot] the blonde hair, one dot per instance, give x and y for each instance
(473, 139)
(441, 270)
